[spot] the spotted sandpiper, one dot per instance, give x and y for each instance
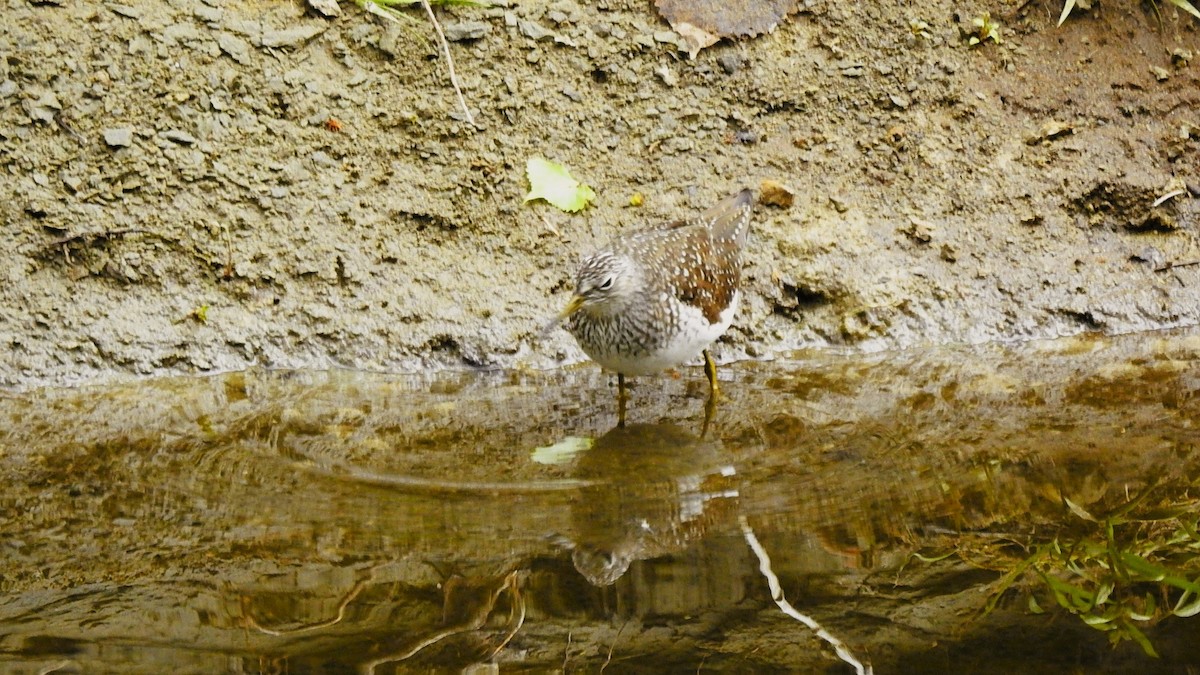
(656, 298)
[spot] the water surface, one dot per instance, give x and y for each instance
(977, 509)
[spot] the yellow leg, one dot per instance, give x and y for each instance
(710, 369)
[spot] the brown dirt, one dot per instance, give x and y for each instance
(176, 198)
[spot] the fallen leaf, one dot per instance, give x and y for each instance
(552, 182)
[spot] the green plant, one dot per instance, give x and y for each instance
(985, 28)
(1122, 572)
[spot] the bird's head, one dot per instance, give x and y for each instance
(606, 281)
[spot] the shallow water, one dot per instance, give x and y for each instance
(336, 522)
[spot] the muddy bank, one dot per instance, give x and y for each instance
(192, 187)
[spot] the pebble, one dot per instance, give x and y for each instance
(292, 37)
(730, 62)
(179, 32)
(466, 30)
(534, 31)
(119, 137)
(44, 108)
(209, 14)
(237, 48)
(774, 193)
(326, 8)
(178, 136)
(126, 11)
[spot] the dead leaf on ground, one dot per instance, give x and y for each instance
(721, 18)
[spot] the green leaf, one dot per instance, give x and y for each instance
(1188, 605)
(551, 181)
(1186, 6)
(1139, 637)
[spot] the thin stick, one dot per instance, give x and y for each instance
(1171, 266)
(764, 566)
(449, 61)
(608, 659)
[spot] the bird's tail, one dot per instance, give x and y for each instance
(730, 220)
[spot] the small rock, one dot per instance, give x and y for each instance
(7, 88)
(178, 33)
(180, 137)
(774, 193)
(666, 37)
(534, 31)
(1161, 74)
(746, 137)
(730, 62)
(1181, 57)
(326, 8)
(664, 73)
(43, 108)
(572, 94)
(900, 101)
(292, 37)
(237, 48)
(466, 30)
(119, 137)
(213, 15)
(73, 183)
(840, 204)
(692, 39)
(917, 230)
(1049, 131)
(1150, 255)
(559, 17)
(390, 42)
(126, 11)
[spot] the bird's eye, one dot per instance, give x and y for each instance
(606, 284)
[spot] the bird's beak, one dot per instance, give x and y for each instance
(573, 306)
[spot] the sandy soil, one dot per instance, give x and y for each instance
(195, 186)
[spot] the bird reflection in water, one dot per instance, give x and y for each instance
(658, 488)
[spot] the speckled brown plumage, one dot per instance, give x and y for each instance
(656, 298)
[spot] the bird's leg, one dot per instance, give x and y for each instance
(710, 369)
(714, 391)
(622, 397)
(710, 408)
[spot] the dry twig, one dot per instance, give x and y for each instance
(449, 61)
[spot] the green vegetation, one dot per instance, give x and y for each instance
(1119, 572)
(985, 28)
